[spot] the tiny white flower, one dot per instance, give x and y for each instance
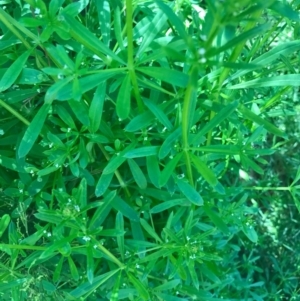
(77, 208)
(37, 11)
(48, 234)
(1, 132)
(201, 51)
(86, 238)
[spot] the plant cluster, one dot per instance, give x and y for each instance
(148, 150)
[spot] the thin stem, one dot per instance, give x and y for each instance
(267, 188)
(185, 132)
(130, 58)
(14, 112)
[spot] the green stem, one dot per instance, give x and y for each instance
(130, 57)
(14, 112)
(268, 188)
(110, 255)
(185, 130)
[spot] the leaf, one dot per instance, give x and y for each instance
(125, 209)
(73, 269)
(286, 10)
(170, 76)
(137, 173)
(87, 288)
(218, 118)
(215, 218)
(241, 38)
(82, 35)
(57, 245)
(33, 130)
(153, 170)
(103, 10)
(167, 205)
(191, 194)
(80, 109)
(65, 116)
(86, 83)
(117, 26)
(140, 152)
(52, 92)
(158, 113)
(191, 268)
(90, 263)
(169, 168)
(58, 268)
(5, 286)
(96, 107)
(142, 291)
(150, 230)
(275, 81)
(107, 202)
(5, 220)
(13, 71)
(103, 183)
(115, 292)
(255, 118)
(123, 100)
(82, 193)
(139, 122)
(117, 160)
(73, 9)
(169, 143)
(120, 239)
(250, 232)
(204, 171)
(270, 56)
(155, 26)
(174, 19)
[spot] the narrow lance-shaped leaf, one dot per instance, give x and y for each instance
(257, 119)
(123, 100)
(169, 168)
(96, 107)
(268, 57)
(33, 130)
(204, 171)
(103, 183)
(90, 263)
(156, 25)
(150, 230)
(191, 194)
(82, 35)
(174, 19)
(275, 81)
(120, 239)
(137, 173)
(169, 143)
(140, 152)
(218, 118)
(170, 76)
(286, 10)
(103, 10)
(143, 292)
(153, 170)
(13, 71)
(158, 113)
(5, 220)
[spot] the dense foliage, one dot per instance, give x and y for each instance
(149, 150)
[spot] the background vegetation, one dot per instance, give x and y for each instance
(149, 150)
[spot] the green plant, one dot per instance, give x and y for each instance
(135, 139)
